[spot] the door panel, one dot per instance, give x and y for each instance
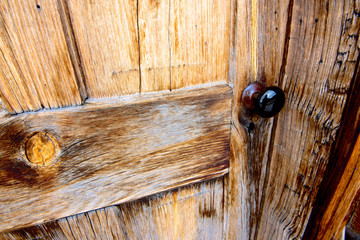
(113, 50)
(308, 48)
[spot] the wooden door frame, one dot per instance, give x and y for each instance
(250, 161)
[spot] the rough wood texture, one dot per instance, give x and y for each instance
(113, 152)
(192, 212)
(106, 33)
(199, 42)
(154, 45)
(341, 183)
(183, 43)
(103, 44)
(237, 193)
(352, 230)
(310, 49)
(36, 69)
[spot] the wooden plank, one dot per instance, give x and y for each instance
(310, 49)
(106, 34)
(320, 56)
(335, 216)
(237, 191)
(352, 229)
(154, 45)
(199, 42)
(190, 212)
(37, 71)
(341, 181)
(108, 153)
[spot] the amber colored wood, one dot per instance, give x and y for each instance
(191, 212)
(335, 216)
(199, 42)
(106, 34)
(309, 49)
(154, 45)
(36, 69)
(341, 183)
(352, 229)
(72, 47)
(40, 148)
(113, 152)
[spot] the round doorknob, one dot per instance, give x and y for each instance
(266, 102)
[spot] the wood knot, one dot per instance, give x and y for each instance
(40, 148)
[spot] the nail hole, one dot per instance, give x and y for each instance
(38, 6)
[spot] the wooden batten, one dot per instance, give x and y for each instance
(107, 153)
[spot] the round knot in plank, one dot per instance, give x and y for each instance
(40, 149)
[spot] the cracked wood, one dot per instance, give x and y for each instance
(36, 69)
(309, 49)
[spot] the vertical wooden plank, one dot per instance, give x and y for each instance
(199, 42)
(106, 34)
(37, 71)
(310, 49)
(319, 56)
(154, 45)
(341, 181)
(237, 191)
(335, 216)
(352, 229)
(268, 40)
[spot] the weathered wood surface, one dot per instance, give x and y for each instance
(79, 49)
(106, 34)
(191, 212)
(309, 49)
(154, 45)
(36, 69)
(237, 182)
(108, 153)
(352, 230)
(199, 42)
(341, 183)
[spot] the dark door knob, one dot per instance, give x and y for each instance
(265, 101)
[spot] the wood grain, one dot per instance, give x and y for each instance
(154, 45)
(352, 229)
(191, 212)
(106, 35)
(238, 212)
(36, 71)
(113, 152)
(341, 183)
(310, 49)
(199, 42)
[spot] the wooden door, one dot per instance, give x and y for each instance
(123, 119)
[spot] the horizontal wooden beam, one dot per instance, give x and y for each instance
(62, 162)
